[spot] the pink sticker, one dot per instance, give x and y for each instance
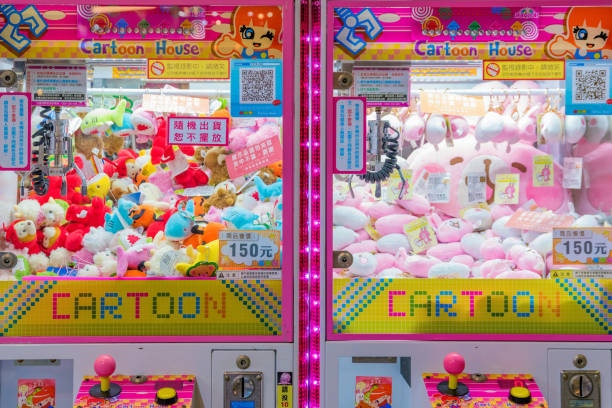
(254, 157)
(197, 131)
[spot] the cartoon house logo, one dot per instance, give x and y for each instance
(14, 19)
(347, 37)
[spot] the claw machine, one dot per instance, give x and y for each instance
(147, 218)
(466, 251)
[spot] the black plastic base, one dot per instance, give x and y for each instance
(96, 392)
(461, 390)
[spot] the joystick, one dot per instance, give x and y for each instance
(104, 366)
(454, 365)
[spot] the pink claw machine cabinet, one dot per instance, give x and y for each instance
(467, 205)
(147, 215)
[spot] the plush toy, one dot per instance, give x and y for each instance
(350, 217)
(575, 128)
(133, 258)
(87, 144)
(364, 264)
(551, 127)
(51, 214)
(490, 126)
(119, 167)
(164, 261)
(597, 127)
(99, 186)
(142, 216)
(192, 176)
(106, 263)
(491, 160)
(239, 217)
(214, 160)
(436, 130)
(145, 125)
(88, 215)
(220, 199)
(126, 129)
(277, 168)
(268, 191)
(413, 128)
(121, 187)
(180, 224)
(449, 270)
(120, 218)
(203, 261)
(22, 235)
(96, 121)
(27, 210)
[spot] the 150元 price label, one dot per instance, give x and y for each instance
(582, 246)
(249, 249)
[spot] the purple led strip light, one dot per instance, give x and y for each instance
(310, 245)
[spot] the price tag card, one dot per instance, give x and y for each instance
(438, 188)
(421, 235)
(572, 172)
(15, 131)
(587, 85)
(543, 171)
(395, 186)
(476, 187)
(198, 131)
(350, 135)
(375, 235)
(57, 85)
(583, 246)
(254, 249)
(383, 86)
(507, 188)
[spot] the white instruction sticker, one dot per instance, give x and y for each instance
(438, 188)
(572, 172)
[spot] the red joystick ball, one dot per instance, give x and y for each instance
(105, 366)
(454, 364)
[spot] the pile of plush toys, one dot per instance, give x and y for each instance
(473, 240)
(156, 211)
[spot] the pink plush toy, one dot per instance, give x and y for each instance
(491, 160)
(145, 125)
(238, 138)
(492, 248)
(367, 245)
(393, 224)
(416, 265)
(551, 127)
(133, 258)
(527, 125)
(452, 230)
(364, 264)
(413, 128)
(459, 127)
(435, 130)
(597, 127)
(417, 205)
(380, 209)
(350, 217)
(575, 128)
(445, 252)
(489, 127)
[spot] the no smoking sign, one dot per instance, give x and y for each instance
(157, 68)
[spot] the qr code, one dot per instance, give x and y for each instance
(257, 85)
(591, 85)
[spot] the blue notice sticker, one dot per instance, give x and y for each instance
(587, 87)
(242, 404)
(256, 88)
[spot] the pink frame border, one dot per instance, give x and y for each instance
(329, 41)
(288, 187)
(29, 98)
(226, 120)
(365, 130)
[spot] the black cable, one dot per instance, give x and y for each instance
(390, 148)
(40, 140)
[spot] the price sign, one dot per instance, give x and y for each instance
(582, 246)
(255, 249)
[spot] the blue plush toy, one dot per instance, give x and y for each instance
(120, 219)
(181, 223)
(268, 191)
(241, 218)
(126, 129)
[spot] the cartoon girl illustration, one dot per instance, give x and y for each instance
(424, 236)
(509, 192)
(255, 33)
(587, 30)
(545, 176)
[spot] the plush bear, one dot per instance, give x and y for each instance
(215, 162)
(220, 199)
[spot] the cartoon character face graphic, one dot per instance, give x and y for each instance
(587, 30)
(255, 33)
(463, 160)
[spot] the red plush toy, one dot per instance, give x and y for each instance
(81, 219)
(159, 224)
(22, 234)
(52, 238)
(192, 177)
(73, 182)
(120, 165)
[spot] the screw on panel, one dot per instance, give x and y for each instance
(258, 377)
(243, 362)
(580, 361)
(226, 377)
